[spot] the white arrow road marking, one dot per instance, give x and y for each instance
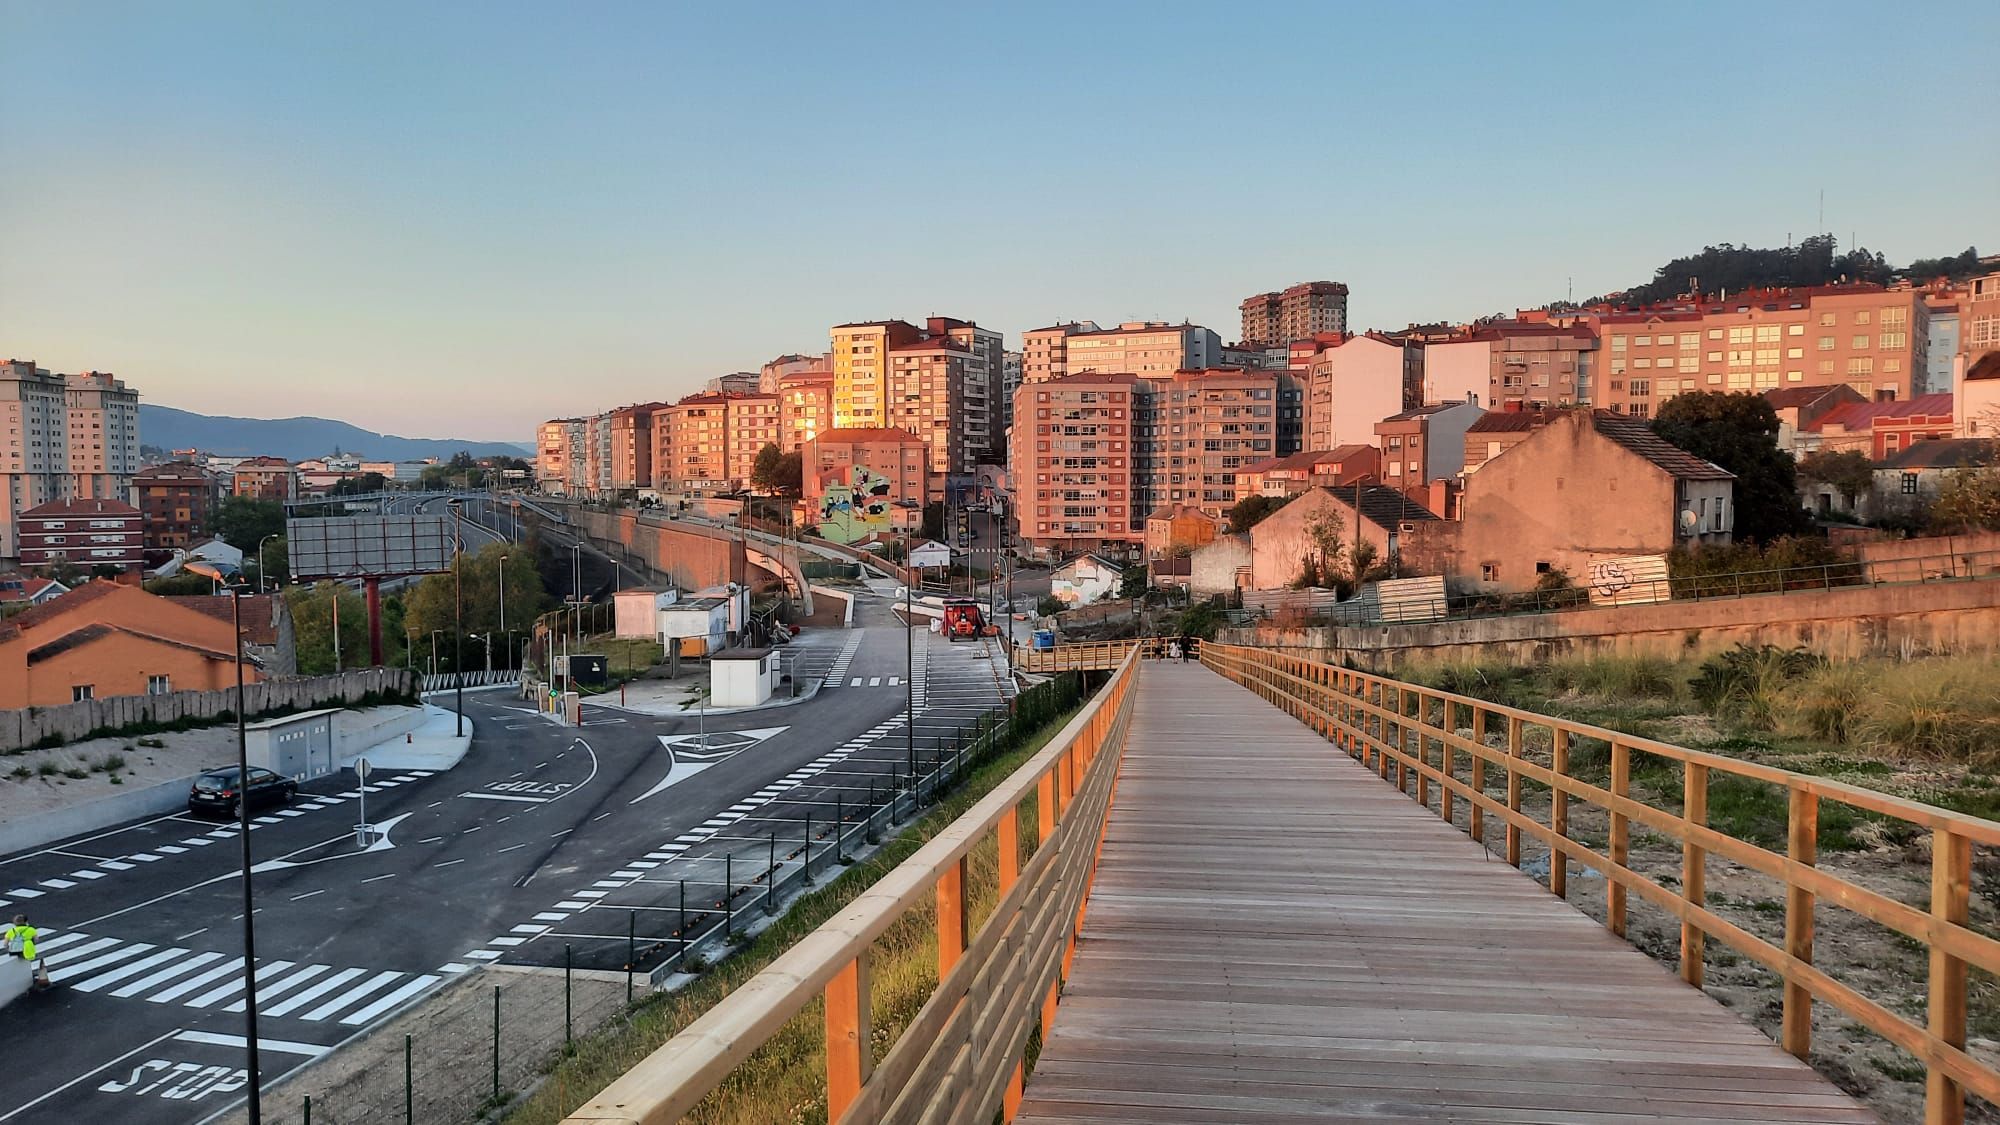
(689, 754)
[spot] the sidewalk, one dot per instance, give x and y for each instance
(432, 746)
(674, 699)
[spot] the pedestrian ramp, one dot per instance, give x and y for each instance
(207, 980)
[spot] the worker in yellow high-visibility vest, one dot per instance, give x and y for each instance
(19, 938)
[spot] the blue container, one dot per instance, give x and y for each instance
(1045, 638)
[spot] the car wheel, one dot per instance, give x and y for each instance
(291, 793)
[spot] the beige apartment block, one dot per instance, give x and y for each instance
(1045, 351)
(559, 457)
(1197, 428)
(861, 369)
(103, 436)
(34, 445)
(1145, 348)
(1073, 462)
(1349, 384)
(805, 406)
(1875, 340)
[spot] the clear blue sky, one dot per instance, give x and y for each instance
(456, 220)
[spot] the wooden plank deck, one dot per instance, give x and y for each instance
(1277, 936)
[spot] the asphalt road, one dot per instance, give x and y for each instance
(546, 842)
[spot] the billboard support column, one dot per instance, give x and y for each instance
(372, 588)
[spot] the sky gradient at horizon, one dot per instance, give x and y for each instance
(458, 220)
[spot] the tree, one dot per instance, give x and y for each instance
(791, 476)
(358, 486)
(276, 567)
(764, 470)
(1958, 267)
(1132, 583)
(244, 521)
(1252, 510)
(1968, 501)
(1739, 432)
(312, 629)
(1848, 472)
(429, 606)
(1324, 531)
(183, 584)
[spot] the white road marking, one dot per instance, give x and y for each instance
(447, 863)
(507, 941)
(25, 892)
(454, 967)
(550, 916)
(164, 975)
(309, 894)
(315, 992)
(129, 970)
(408, 990)
(268, 969)
(352, 996)
(86, 874)
(508, 797)
(267, 990)
(483, 955)
(194, 982)
(379, 878)
(114, 865)
(285, 1046)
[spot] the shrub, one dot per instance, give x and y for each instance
(1744, 683)
(47, 769)
(1941, 708)
(1619, 676)
(76, 773)
(1050, 605)
(21, 773)
(1822, 704)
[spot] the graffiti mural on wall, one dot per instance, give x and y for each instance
(853, 504)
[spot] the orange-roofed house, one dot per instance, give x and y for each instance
(1881, 428)
(1294, 474)
(1178, 529)
(106, 639)
(863, 481)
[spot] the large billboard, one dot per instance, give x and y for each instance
(375, 546)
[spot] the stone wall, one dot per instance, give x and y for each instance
(1900, 620)
(72, 722)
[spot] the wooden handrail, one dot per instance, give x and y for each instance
(1083, 656)
(961, 1058)
(1411, 731)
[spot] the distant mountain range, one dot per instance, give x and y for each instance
(296, 439)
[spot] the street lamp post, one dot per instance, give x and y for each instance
(457, 619)
(256, 1108)
(503, 595)
(260, 560)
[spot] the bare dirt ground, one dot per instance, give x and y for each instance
(1880, 963)
(451, 1052)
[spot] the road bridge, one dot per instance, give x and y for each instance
(1281, 918)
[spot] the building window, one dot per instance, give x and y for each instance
(159, 685)
(1909, 484)
(1489, 572)
(81, 692)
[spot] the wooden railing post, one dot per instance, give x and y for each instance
(1476, 817)
(1951, 898)
(1402, 743)
(1009, 839)
(1445, 796)
(850, 1057)
(1559, 813)
(1423, 751)
(1802, 846)
(952, 922)
(1694, 868)
(1513, 790)
(1620, 845)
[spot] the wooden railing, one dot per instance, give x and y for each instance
(1412, 732)
(1083, 656)
(962, 1056)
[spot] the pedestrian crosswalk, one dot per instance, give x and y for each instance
(876, 681)
(221, 831)
(211, 981)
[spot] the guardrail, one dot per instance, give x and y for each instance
(1084, 656)
(962, 1056)
(1414, 733)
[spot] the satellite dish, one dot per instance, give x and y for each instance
(1689, 521)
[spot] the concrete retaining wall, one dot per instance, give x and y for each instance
(73, 722)
(1903, 620)
(37, 829)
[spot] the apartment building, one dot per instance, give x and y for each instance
(1458, 369)
(752, 422)
(34, 446)
(775, 373)
(1880, 429)
(1196, 429)
(1942, 346)
(559, 457)
(860, 483)
(805, 407)
(691, 449)
(1146, 348)
(88, 533)
(1424, 444)
(1074, 462)
(1045, 351)
(1291, 314)
(861, 369)
(1979, 318)
(1351, 382)
(632, 447)
(1873, 339)
(1538, 364)
(264, 478)
(175, 501)
(103, 435)
(1294, 474)
(1497, 431)
(931, 394)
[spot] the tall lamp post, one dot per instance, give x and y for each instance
(209, 570)
(503, 595)
(260, 560)
(457, 619)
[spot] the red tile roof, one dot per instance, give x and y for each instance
(56, 508)
(1985, 367)
(1510, 421)
(1784, 398)
(858, 435)
(260, 613)
(1860, 415)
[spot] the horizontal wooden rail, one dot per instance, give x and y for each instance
(1083, 656)
(962, 1057)
(1408, 733)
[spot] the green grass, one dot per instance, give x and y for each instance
(784, 1079)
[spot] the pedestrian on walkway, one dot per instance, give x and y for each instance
(1186, 646)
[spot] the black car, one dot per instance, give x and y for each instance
(218, 791)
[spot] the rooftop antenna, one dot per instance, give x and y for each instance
(1822, 210)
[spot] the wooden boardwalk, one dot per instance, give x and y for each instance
(1278, 936)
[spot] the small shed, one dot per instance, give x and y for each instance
(742, 677)
(638, 610)
(297, 746)
(698, 626)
